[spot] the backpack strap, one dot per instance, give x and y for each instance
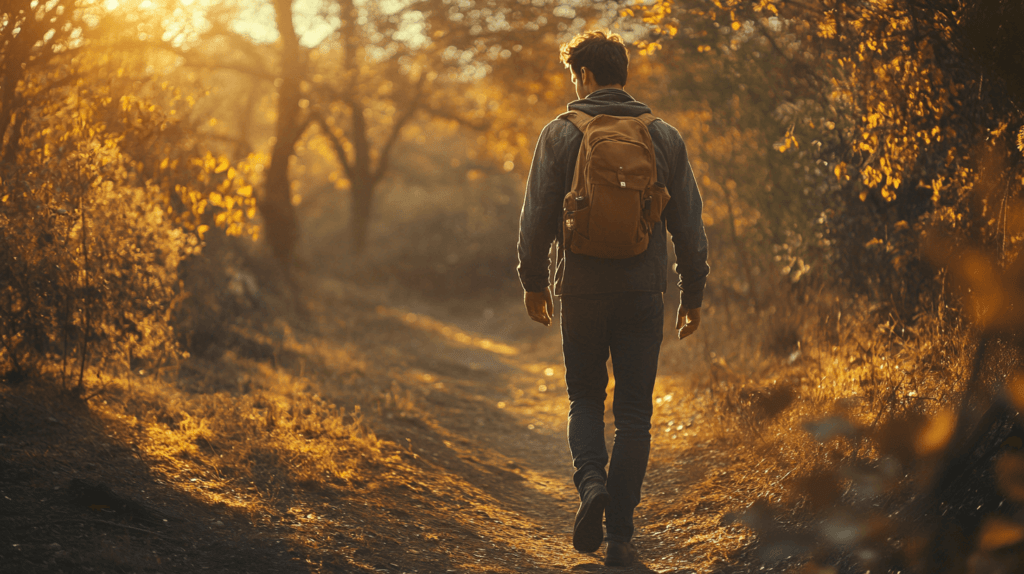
(647, 118)
(579, 119)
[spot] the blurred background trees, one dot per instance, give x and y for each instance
(896, 113)
(829, 138)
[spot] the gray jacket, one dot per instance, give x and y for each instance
(554, 162)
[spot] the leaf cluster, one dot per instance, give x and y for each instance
(104, 192)
(901, 118)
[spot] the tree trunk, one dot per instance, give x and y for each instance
(359, 215)
(275, 204)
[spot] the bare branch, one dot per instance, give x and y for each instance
(385, 152)
(448, 114)
(339, 148)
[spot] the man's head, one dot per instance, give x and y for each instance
(596, 59)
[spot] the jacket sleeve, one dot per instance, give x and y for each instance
(541, 218)
(683, 220)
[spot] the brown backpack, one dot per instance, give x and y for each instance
(616, 199)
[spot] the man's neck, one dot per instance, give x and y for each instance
(608, 87)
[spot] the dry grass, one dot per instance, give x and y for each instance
(795, 423)
(295, 421)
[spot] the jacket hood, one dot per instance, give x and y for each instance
(610, 101)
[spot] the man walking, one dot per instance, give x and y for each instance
(597, 187)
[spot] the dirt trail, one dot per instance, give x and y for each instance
(507, 407)
(472, 472)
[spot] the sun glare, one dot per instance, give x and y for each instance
(112, 5)
(256, 20)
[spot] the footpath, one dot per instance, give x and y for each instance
(462, 463)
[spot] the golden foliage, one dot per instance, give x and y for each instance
(105, 193)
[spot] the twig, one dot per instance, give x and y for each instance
(67, 316)
(80, 389)
(90, 521)
(878, 417)
(96, 393)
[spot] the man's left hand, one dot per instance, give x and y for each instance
(539, 306)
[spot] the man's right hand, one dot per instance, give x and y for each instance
(687, 321)
(539, 306)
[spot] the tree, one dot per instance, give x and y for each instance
(104, 190)
(423, 58)
(382, 66)
(32, 35)
(895, 101)
(275, 203)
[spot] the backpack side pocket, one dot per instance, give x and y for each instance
(572, 206)
(655, 199)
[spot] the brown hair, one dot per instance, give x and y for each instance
(601, 52)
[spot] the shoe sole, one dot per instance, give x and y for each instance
(621, 561)
(589, 531)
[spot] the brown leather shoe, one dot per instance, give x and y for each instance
(588, 529)
(619, 554)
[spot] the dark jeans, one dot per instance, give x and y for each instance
(629, 326)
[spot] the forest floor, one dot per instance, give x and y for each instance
(358, 434)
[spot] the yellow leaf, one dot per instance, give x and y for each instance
(999, 533)
(936, 434)
(1010, 475)
(232, 172)
(202, 229)
(165, 163)
(4, 198)
(221, 218)
(1015, 389)
(245, 191)
(222, 166)
(736, 25)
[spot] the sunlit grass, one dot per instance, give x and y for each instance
(447, 331)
